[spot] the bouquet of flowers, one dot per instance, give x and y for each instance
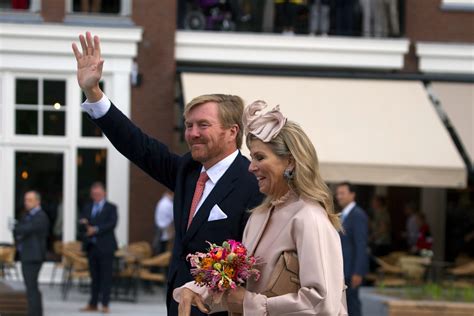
(223, 267)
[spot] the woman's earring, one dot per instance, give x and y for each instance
(288, 174)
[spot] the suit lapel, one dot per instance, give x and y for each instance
(223, 187)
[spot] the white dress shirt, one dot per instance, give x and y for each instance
(215, 173)
(345, 212)
(164, 216)
(97, 109)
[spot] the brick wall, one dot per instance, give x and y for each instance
(53, 11)
(426, 21)
(152, 103)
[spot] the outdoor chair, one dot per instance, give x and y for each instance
(161, 262)
(76, 267)
(7, 262)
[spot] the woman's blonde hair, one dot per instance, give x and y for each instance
(306, 182)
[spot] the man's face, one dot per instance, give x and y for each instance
(30, 201)
(343, 196)
(208, 141)
(97, 194)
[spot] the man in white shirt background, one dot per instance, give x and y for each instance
(163, 223)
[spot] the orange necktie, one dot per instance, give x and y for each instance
(201, 183)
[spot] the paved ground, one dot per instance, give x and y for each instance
(154, 304)
(147, 305)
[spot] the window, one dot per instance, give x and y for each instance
(15, 4)
(42, 172)
(97, 6)
(20, 5)
(40, 106)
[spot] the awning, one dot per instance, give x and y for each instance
(457, 100)
(365, 131)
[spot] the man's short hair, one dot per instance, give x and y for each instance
(230, 107)
(98, 184)
(349, 185)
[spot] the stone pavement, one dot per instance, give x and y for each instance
(147, 304)
(154, 304)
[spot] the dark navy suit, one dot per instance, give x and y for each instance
(354, 250)
(30, 235)
(100, 250)
(235, 193)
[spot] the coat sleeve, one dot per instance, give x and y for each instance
(149, 154)
(320, 273)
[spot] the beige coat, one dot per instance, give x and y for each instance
(304, 227)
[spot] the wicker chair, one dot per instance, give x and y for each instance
(76, 267)
(160, 261)
(7, 262)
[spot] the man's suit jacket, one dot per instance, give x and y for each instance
(235, 193)
(354, 243)
(31, 234)
(105, 220)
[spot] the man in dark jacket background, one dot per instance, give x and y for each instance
(98, 220)
(30, 236)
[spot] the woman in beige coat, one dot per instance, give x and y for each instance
(297, 216)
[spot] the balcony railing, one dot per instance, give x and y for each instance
(366, 18)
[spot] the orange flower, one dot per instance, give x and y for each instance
(206, 263)
(229, 272)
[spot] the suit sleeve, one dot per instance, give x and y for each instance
(147, 153)
(361, 228)
(38, 224)
(111, 221)
(320, 273)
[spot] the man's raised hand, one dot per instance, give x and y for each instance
(89, 66)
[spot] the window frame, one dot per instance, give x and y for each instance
(39, 108)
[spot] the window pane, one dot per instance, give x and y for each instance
(14, 4)
(42, 172)
(96, 6)
(26, 91)
(54, 91)
(91, 167)
(26, 122)
(89, 129)
(53, 123)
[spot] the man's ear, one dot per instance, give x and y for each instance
(234, 130)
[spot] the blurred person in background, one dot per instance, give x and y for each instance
(31, 235)
(380, 227)
(411, 225)
(354, 240)
(98, 220)
(319, 17)
(164, 223)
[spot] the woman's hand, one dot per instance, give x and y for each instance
(188, 299)
(235, 299)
